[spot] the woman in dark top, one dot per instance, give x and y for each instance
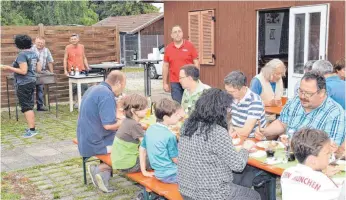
(25, 79)
(207, 156)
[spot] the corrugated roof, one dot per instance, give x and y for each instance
(131, 23)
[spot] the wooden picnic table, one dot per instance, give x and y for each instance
(273, 109)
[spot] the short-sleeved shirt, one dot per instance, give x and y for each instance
(302, 182)
(126, 142)
(31, 58)
(249, 107)
(336, 89)
(189, 100)
(44, 55)
(329, 117)
(256, 86)
(75, 57)
(178, 57)
(161, 146)
(98, 108)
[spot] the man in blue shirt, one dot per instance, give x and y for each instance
(312, 108)
(335, 86)
(97, 124)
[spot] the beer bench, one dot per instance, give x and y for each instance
(169, 191)
(44, 79)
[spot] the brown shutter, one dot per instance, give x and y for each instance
(207, 38)
(194, 32)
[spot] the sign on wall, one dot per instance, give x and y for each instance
(273, 27)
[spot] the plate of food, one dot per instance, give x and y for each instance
(271, 143)
(258, 154)
(341, 164)
(236, 141)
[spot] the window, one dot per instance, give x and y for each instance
(201, 34)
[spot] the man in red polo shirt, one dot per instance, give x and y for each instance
(177, 54)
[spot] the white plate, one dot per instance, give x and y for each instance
(341, 164)
(236, 141)
(265, 144)
(258, 154)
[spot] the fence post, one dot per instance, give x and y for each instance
(40, 30)
(117, 44)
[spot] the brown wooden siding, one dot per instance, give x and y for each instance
(154, 29)
(101, 45)
(235, 32)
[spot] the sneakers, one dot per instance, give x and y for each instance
(28, 133)
(92, 173)
(102, 182)
(41, 108)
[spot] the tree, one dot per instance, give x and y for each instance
(105, 9)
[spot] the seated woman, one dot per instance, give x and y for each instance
(207, 157)
(268, 84)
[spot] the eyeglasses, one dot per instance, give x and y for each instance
(307, 94)
(182, 77)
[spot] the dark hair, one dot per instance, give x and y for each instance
(210, 110)
(339, 65)
(135, 101)
(235, 79)
(23, 41)
(165, 107)
(313, 75)
(191, 70)
(306, 142)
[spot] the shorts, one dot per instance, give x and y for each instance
(170, 179)
(25, 96)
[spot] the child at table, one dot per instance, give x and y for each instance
(310, 178)
(160, 143)
(125, 153)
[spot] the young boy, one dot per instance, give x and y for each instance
(161, 144)
(312, 148)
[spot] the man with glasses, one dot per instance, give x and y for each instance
(312, 108)
(177, 54)
(193, 87)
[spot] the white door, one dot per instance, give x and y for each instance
(308, 39)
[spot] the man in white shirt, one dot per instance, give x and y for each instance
(310, 179)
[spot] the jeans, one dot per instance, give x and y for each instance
(177, 92)
(170, 179)
(39, 96)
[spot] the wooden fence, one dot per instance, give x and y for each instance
(101, 45)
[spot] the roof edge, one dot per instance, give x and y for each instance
(146, 24)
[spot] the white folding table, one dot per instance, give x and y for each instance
(91, 78)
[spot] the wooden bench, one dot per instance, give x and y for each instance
(169, 191)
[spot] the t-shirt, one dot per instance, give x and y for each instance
(189, 100)
(256, 86)
(250, 107)
(75, 57)
(126, 142)
(336, 89)
(302, 182)
(178, 57)
(98, 108)
(31, 58)
(161, 146)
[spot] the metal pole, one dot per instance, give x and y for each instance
(8, 99)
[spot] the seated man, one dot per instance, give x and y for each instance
(97, 124)
(312, 108)
(247, 106)
(193, 87)
(310, 178)
(335, 86)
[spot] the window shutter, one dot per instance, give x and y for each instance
(207, 37)
(194, 32)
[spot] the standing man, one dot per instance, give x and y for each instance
(177, 54)
(97, 124)
(75, 56)
(46, 60)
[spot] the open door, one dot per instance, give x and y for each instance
(308, 39)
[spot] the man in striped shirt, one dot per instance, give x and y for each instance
(312, 108)
(247, 106)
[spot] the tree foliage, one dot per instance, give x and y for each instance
(68, 12)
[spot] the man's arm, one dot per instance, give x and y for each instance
(50, 61)
(196, 63)
(246, 130)
(113, 127)
(165, 76)
(275, 129)
(65, 62)
(50, 66)
(85, 61)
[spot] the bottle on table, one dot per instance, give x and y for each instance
(72, 73)
(77, 71)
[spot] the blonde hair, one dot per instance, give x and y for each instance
(269, 69)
